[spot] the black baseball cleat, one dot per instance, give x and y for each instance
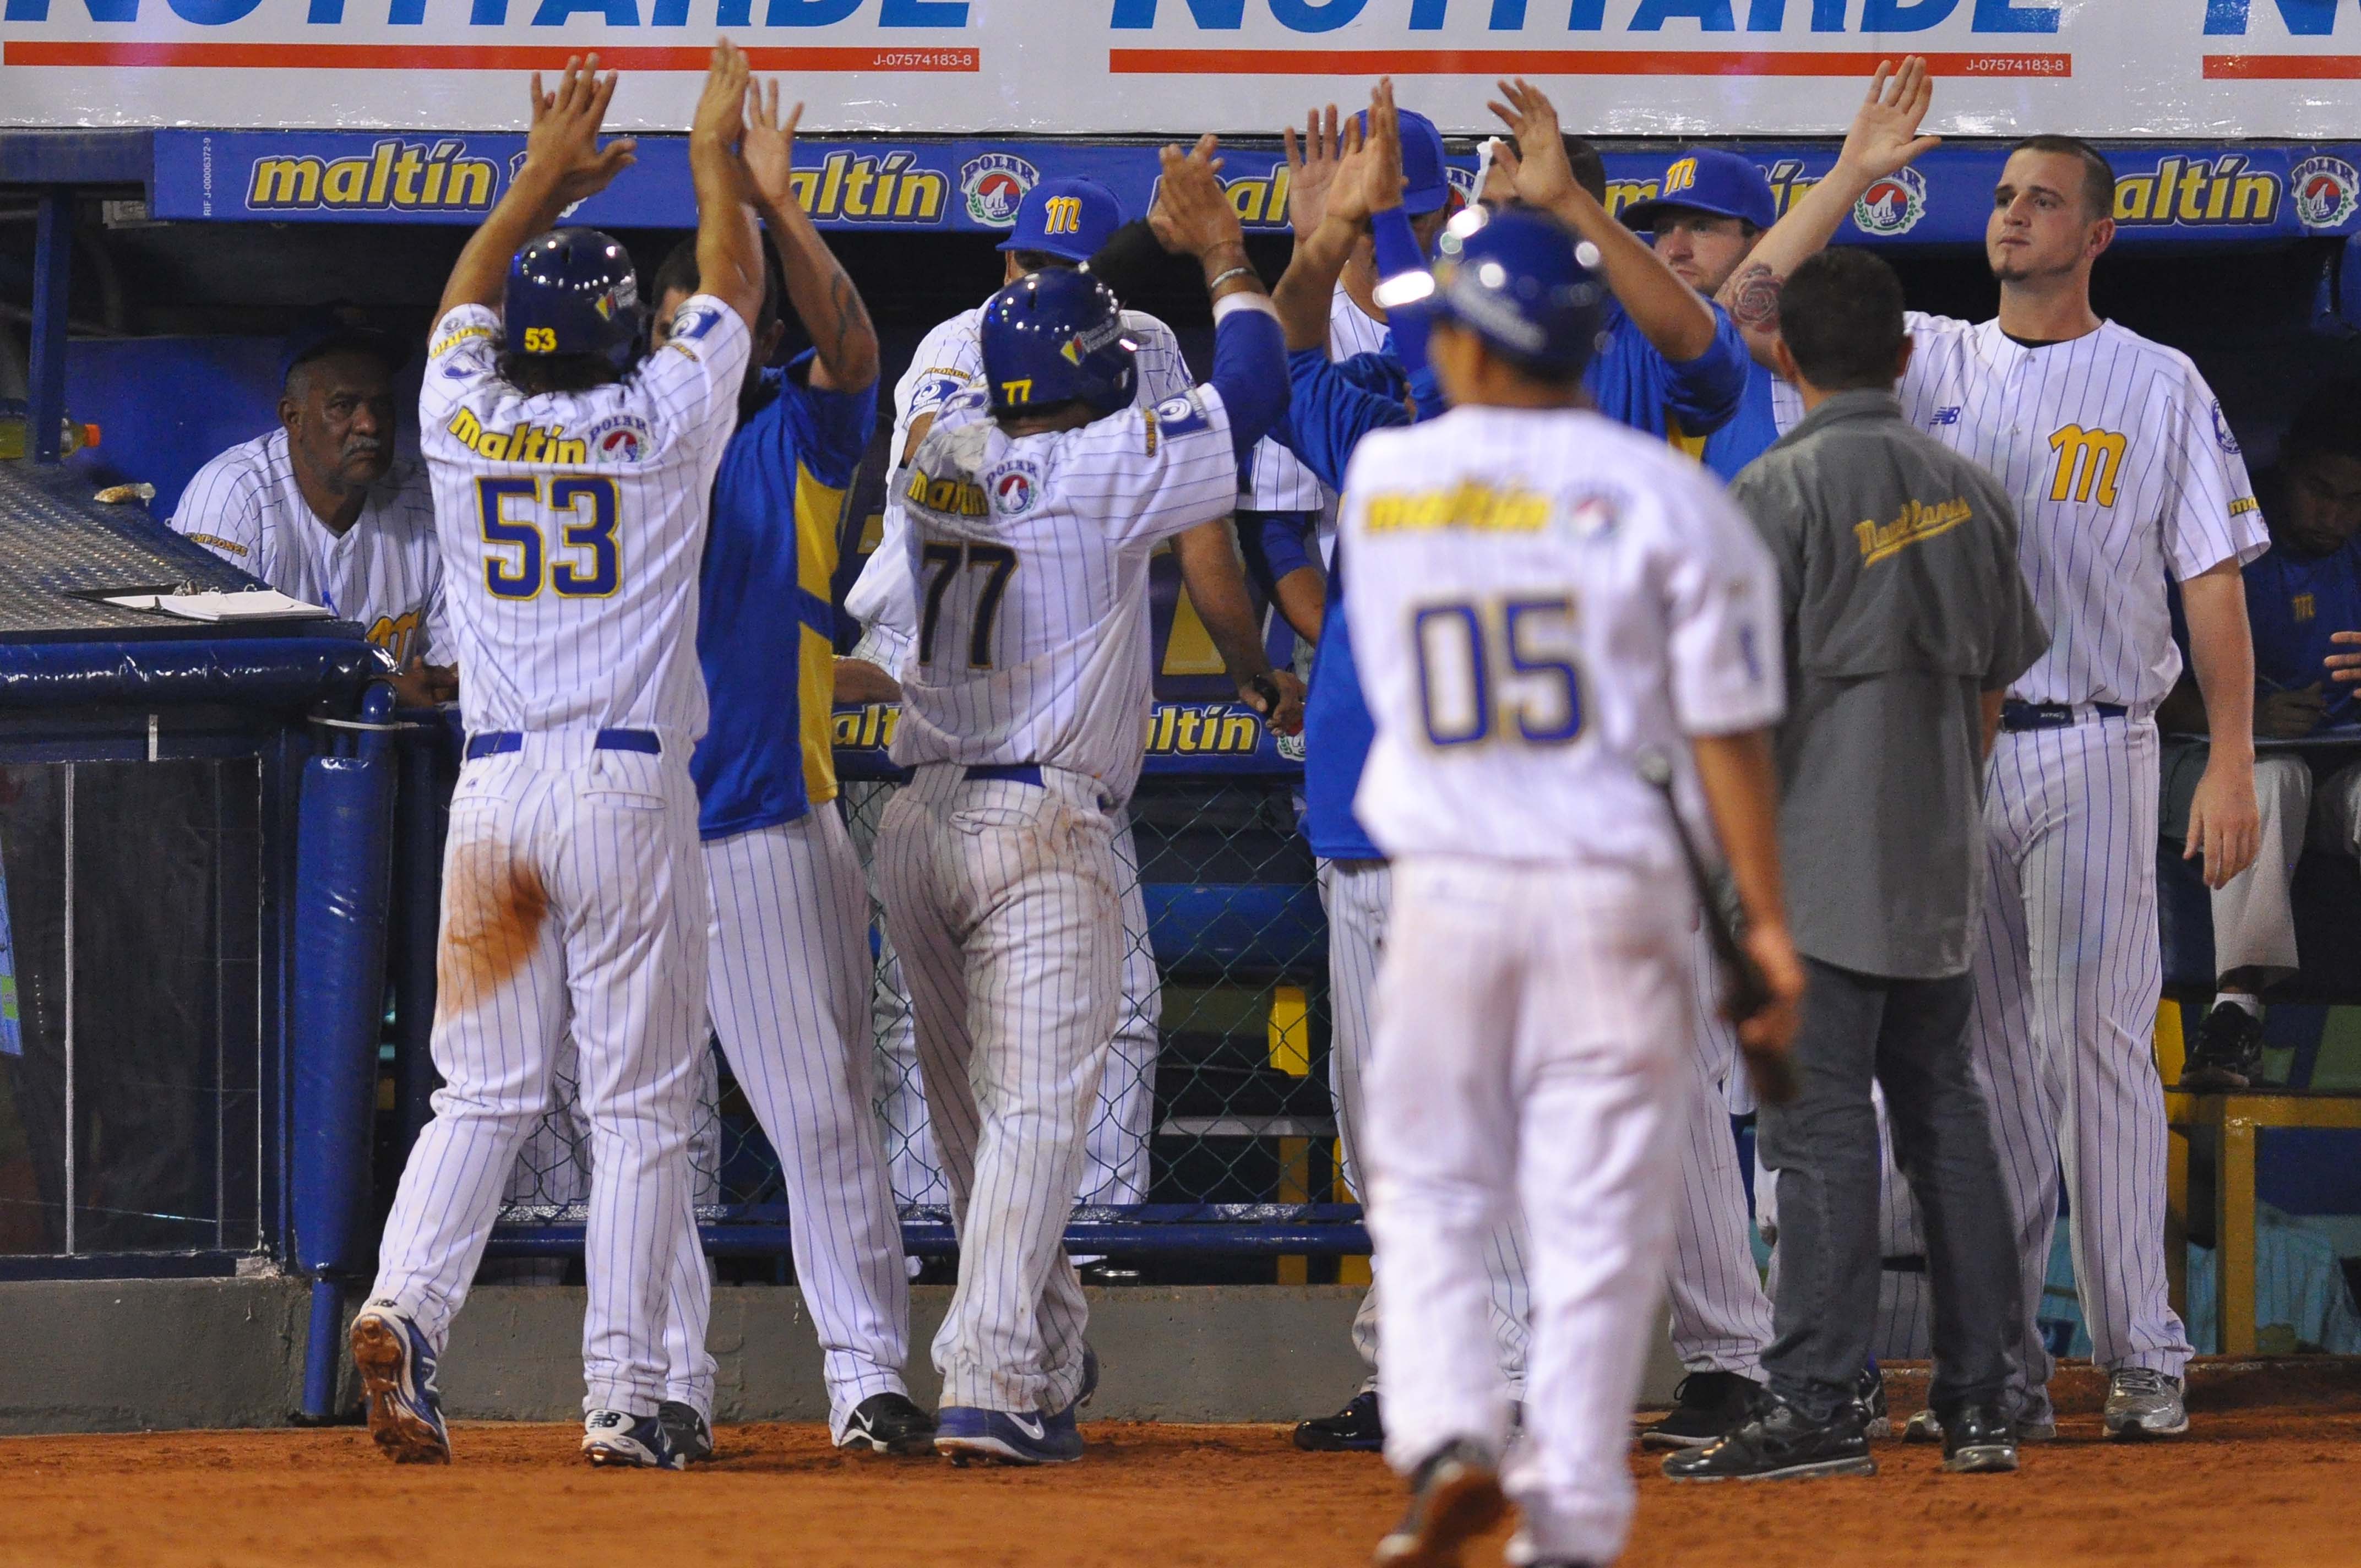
(1454, 1497)
(1869, 1395)
(688, 1434)
(1780, 1444)
(2229, 1053)
(1356, 1429)
(1977, 1440)
(888, 1423)
(1708, 1407)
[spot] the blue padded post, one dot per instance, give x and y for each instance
(52, 271)
(344, 866)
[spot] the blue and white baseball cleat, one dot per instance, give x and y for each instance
(617, 1439)
(396, 1367)
(964, 1434)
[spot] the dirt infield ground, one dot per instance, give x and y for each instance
(2271, 1477)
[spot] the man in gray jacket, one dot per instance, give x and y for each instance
(1907, 616)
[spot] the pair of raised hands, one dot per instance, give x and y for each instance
(735, 116)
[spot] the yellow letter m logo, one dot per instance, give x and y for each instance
(2089, 464)
(1681, 175)
(1062, 214)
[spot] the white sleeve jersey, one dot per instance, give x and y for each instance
(573, 524)
(2123, 472)
(950, 361)
(1030, 557)
(1276, 479)
(384, 571)
(1538, 597)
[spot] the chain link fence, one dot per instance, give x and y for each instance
(1214, 1130)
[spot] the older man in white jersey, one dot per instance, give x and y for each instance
(321, 510)
(2124, 474)
(572, 492)
(1033, 510)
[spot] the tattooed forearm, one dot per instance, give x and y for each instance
(824, 301)
(1753, 299)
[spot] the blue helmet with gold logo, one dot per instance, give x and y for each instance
(1054, 337)
(573, 292)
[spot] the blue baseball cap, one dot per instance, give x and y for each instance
(1427, 187)
(337, 327)
(1072, 217)
(1707, 180)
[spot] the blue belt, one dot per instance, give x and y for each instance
(2051, 715)
(1008, 772)
(494, 742)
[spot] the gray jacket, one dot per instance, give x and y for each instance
(1904, 603)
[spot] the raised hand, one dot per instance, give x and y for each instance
(1311, 167)
(721, 117)
(770, 145)
(562, 143)
(1884, 134)
(1192, 214)
(1541, 174)
(1382, 173)
(1348, 197)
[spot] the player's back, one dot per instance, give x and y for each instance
(2123, 472)
(572, 524)
(1029, 559)
(1538, 596)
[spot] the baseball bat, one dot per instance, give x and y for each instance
(1772, 1075)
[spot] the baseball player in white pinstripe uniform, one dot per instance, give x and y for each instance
(571, 495)
(1033, 509)
(1061, 222)
(2124, 474)
(321, 510)
(1533, 1005)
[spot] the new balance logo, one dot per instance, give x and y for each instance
(1947, 416)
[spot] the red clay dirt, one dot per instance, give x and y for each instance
(2270, 1476)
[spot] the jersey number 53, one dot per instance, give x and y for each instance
(518, 517)
(1503, 669)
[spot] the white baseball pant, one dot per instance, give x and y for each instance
(2254, 916)
(1005, 903)
(2067, 976)
(1356, 895)
(1115, 1167)
(1721, 1319)
(1533, 1022)
(789, 993)
(572, 896)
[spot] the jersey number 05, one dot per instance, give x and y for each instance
(1520, 649)
(516, 515)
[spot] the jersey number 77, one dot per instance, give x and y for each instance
(948, 563)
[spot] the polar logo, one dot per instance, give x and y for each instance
(2326, 190)
(1894, 205)
(1015, 487)
(995, 186)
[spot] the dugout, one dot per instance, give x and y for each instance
(145, 277)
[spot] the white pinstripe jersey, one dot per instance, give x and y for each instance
(1277, 479)
(950, 361)
(573, 524)
(2123, 470)
(1536, 598)
(1031, 558)
(384, 571)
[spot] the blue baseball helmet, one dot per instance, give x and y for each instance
(1053, 336)
(573, 292)
(1518, 280)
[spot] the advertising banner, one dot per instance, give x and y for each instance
(2181, 194)
(2194, 69)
